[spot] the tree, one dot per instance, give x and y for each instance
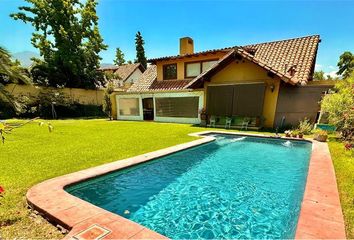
(119, 57)
(67, 36)
(319, 75)
(340, 107)
(107, 103)
(346, 64)
(10, 72)
(140, 52)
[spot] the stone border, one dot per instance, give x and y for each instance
(320, 216)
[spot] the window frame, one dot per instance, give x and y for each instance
(120, 109)
(163, 71)
(200, 66)
(174, 101)
(211, 60)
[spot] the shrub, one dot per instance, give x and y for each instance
(305, 127)
(321, 135)
(340, 108)
(54, 104)
(107, 104)
(6, 110)
(295, 133)
(288, 133)
(321, 132)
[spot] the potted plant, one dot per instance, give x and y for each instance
(300, 134)
(321, 136)
(288, 133)
(295, 133)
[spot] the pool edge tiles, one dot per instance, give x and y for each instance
(50, 199)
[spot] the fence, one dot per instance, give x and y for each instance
(82, 96)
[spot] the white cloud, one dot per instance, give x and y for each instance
(333, 74)
(328, 70)
(318, 67)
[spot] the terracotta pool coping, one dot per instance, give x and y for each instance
(320, 217)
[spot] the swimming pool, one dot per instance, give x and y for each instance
(234, 187)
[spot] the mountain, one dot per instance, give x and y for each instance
(25, 57)
(107, 65)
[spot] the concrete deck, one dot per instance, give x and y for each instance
(321, 215)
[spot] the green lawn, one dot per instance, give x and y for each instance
(31, 155)
(344, 166)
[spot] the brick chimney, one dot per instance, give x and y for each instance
(186, 46)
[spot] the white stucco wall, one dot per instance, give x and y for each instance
(134, 76)
(199, 94)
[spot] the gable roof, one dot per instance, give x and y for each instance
(286, 75)
(296, 55)
(145, 81)
(292, 60)
(124, 71)
(148, 82)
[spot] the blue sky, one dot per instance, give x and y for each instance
(212, 24)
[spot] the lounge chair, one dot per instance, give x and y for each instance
(228, 122)
(245, 123)
(212, 121)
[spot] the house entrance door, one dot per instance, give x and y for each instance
(148, 108)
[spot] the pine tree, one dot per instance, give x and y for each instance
(68, 38)
(119, 57)
(140, 52)
(107, 102)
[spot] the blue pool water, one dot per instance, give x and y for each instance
(234, 187)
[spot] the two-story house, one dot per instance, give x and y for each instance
(125, 75)
(266, 85)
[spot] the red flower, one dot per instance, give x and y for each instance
(348, 146)
(2, 190)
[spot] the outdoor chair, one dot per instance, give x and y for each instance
(228, 122)
(212, 121)
(245, 123)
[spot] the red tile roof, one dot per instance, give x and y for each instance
(148, 82)
(123, 72)
(298, 54)
(145, 80)
(293, 60)
(169, 85)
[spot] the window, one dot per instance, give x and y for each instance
(195, 68)
(129, 107)
(186, 107)
(192, 69)
(170, 71)
(208, 64)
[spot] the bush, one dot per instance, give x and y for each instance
(47, 101)
(305, 127)
(107, 104)
(78, 110)
(6, 110)
(321, 132)
(340, 108)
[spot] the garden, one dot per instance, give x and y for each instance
(38, 149)
(32, 154)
